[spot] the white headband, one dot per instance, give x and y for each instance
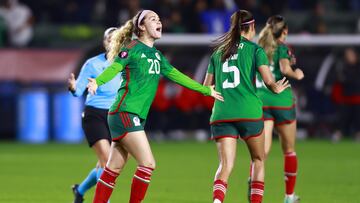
(141, 17)
(108, 31)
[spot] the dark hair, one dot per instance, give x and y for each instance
(228, 43)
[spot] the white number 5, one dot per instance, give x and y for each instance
(228, 69)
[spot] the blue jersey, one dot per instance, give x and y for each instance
(105, 94)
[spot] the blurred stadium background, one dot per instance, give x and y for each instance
(43, 41)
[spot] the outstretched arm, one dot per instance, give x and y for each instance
(104, 77)
(189, 83)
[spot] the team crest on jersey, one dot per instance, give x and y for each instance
(136, 121)
(157, 56)
(123, 54)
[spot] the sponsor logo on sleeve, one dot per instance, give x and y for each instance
(123, 54)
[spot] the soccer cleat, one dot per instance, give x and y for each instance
(292, 199)
(78, 197)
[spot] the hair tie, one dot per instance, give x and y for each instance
(248, 22)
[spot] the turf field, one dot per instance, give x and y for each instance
(329, 173)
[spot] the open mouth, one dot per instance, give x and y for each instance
(158, 29)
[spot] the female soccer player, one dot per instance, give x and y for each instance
(95, 114)
(142, 64)
(232, 68)
(279, 109)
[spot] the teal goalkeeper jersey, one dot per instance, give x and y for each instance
(235, 80)
(141, 68)
(270, 99)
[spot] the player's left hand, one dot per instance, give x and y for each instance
(216, 94)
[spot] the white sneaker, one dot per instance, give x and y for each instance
(292, 199)
(217, 201)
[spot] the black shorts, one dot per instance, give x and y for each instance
(95, 126)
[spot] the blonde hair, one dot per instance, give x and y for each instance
(270, 33)
(119, 39)
(123, 35)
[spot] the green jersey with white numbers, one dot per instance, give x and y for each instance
(235, 80)
(141, 68)
(270, 99)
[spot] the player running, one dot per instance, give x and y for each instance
(142, 64)
(94, 120)
(279, 109)
(232, 68)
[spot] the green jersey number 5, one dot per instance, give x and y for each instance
(231, 69)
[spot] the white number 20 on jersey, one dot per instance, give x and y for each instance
(154, 66)
(228, 69)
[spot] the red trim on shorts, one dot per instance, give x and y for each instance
(120, 137)
(237, 120)
(126, 121)
(126, 91)
(269, 119)
(285, 122)
(129, 120)
(279, 107)
(122, 119)
(253, 136)
(223, 136)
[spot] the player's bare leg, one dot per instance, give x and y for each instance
(227, 153)
(287, 133)
(257, 152)
(137, 144)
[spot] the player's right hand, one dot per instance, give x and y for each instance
(216, 94)
(72, 82)
(92, 86)
(281, 85)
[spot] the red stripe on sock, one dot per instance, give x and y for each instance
(139, 186)
(257, 191)
(105, 186)
(219, 190)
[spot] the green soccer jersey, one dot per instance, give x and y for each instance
(270, 99)
(235, 80)
(141, 68)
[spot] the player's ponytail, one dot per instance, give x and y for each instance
(267, 41)
(270, 33)
(120, 38)
(229, 42)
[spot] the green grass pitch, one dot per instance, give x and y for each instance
(328, 173)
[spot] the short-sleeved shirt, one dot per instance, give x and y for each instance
(270, 99)
(105, 94)
(143, 66)
(235, 80)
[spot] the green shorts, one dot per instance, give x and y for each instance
(242, 129)
(280, 115)
(121, 123)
